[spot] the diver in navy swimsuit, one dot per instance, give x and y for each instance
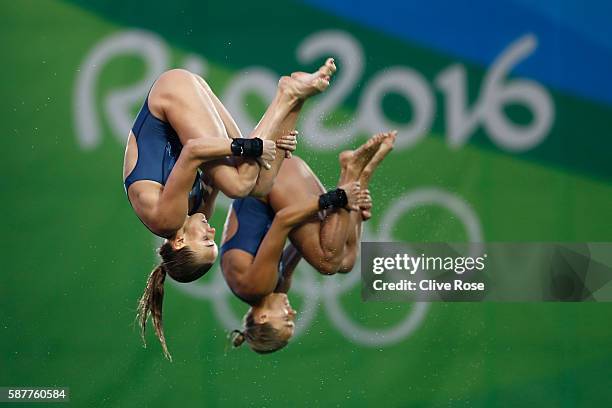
(158, 149)
(254, 218)
(324, 228)
(184, 147)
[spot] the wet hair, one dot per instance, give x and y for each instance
(261, 337)
(182, 267)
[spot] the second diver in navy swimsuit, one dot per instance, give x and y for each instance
(324, 228)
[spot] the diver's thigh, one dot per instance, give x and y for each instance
(179, 99)
(295, 182)
(230, 124)
(306, 238)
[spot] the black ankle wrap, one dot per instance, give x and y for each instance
(333, 199)
(247, 147)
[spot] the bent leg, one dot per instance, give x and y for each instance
(179, 99)
(228, 121)
(266, 178)
(299, 87)
(187, 102)
(279, 119)
(321, 242)
(329, 244)
(352, 244)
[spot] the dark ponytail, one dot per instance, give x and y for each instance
(181, 266)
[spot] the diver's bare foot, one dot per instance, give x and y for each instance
(353, 162)
(383, 150)
(365, 204)
(302, 85)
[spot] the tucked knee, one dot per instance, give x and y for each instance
(238, 188)
(327, 261)
(327, 268)
(347, 265)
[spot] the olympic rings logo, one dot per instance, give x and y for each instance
(313, 293)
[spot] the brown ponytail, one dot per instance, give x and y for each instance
(151, 303)
(237, 338)
(182, 267)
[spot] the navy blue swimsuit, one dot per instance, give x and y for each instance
(254, 220)
(158, 150)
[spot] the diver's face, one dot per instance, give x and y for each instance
(199, 236)
(280, 314)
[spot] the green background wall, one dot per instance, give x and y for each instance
(75, 258)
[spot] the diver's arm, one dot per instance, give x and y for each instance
(207, 149)
(172, 206)
(208, 202)
(261, 278)
(290, 259)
